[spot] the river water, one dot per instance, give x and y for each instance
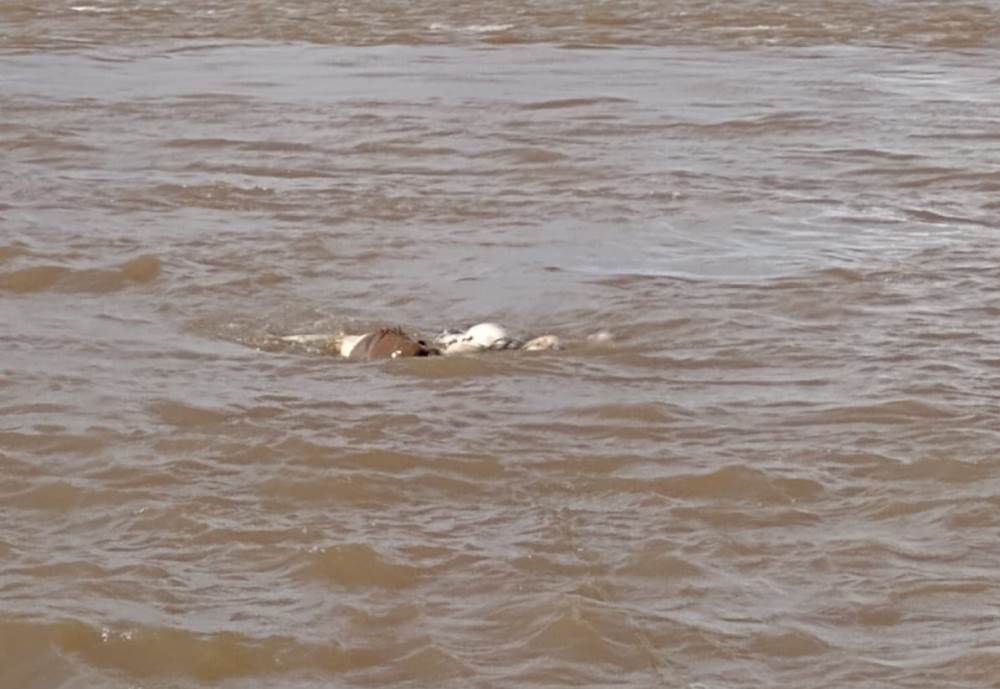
(782, 471)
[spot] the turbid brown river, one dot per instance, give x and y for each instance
(782, 471)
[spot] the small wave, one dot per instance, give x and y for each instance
(356, 565)
(240, 144)
(943, 470)
(654, 412)
(400, 150)
(210, 143)
(470, 28)
(734, 362)
(152, 652)
(444, 367)
(934, 218)
(737, 482)
(34, 279)
(428, 663)
(788, 645)
(10, 251)
(527, 155)
(184, 415)
(377, 477)
(218, 196)
(884, 413)
(341, 490)
(572, 637)
(560, 103)
(869, 153)
(777, 123)
(537, 564)
(655, 561)
(77, 570)
(581, 634)
(137, 271)
(141, 269)
(841, 275)
(53, 440)
(56, 495)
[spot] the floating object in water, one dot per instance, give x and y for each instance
(385, 343)
(480, 337)
(392, 343)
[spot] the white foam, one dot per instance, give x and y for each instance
(601, 337)
(542, 343)
(470, 28)
(343, 344)
(487, 28)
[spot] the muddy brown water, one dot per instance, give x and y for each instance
(783, 471)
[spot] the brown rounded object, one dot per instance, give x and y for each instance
(390, 343)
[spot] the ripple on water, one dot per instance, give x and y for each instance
(780, 472)
(137, 271)
(569, 638)
(737, 483)
(792, 644)
(429, 662)
(357, 566)
(161, 654)
(895, 412)
(659, 560)
(183, 415)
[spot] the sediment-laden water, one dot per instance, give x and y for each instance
(781, 472)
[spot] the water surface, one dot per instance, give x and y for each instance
(781, 472)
